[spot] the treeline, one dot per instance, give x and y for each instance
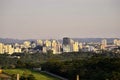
(35, 59)
(95, 68)
(27, 59)
(7, 62)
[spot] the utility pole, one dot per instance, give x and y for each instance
(18, 76)
(77, 77)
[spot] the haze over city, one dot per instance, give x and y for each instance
(36, 19)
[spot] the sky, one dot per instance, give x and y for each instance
(55, 19)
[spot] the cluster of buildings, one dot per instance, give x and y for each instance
(57, 47)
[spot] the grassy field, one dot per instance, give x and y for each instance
(38, 76)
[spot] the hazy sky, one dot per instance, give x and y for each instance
(38, 19)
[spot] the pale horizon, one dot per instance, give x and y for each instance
(55, 19)
(60, 38)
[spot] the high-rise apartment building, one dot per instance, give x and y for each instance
(75, 47)
(80, 46)
(66, 41)
(67, 44)
(103, 44)
(17, 50)
(1, 48)
(8, 49)
(47, 43)
(54, 46)
(26, 44)
(39, 42)
(116, 42)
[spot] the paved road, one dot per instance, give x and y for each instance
(54, 75)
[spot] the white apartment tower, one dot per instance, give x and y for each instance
(1, 48)
(103, 44)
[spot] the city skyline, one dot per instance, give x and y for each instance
(55, 19)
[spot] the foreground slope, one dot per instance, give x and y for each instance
(37, 75)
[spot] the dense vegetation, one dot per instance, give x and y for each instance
(89, 66)
(96, 68)
(34, 60)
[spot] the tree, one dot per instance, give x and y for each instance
(31, 77)
(27, 77)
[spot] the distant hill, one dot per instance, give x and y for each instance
(9, 41)
(109, 40)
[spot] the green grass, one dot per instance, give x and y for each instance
(37, 75)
